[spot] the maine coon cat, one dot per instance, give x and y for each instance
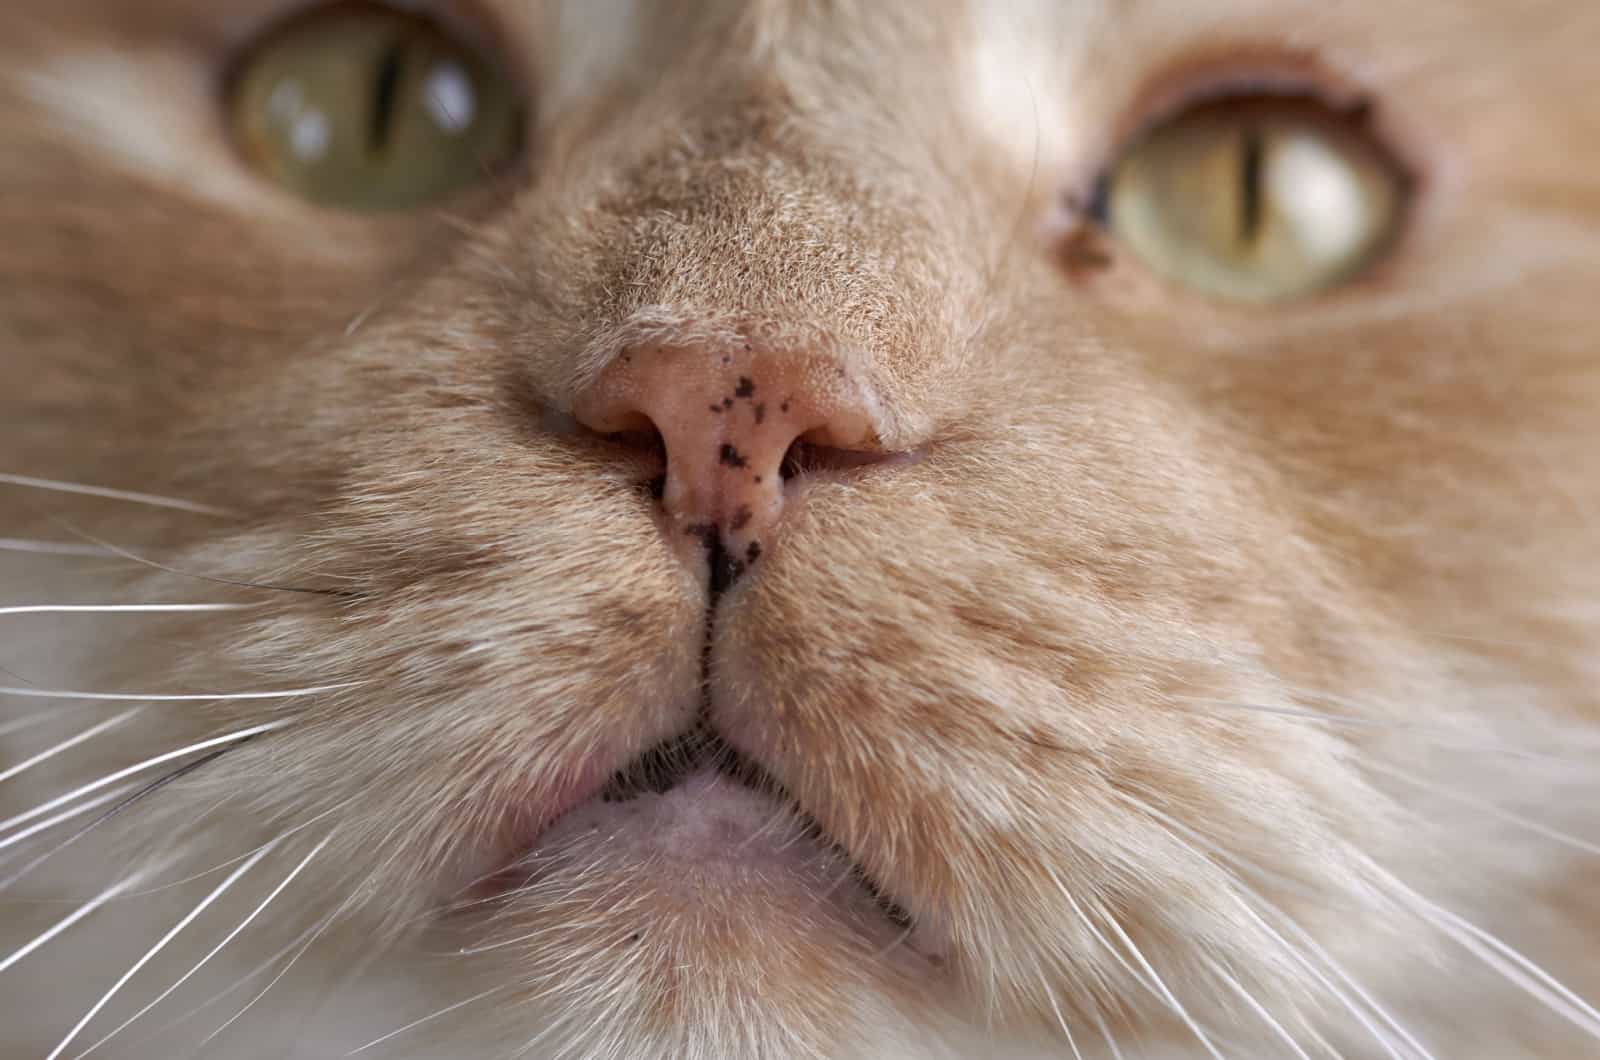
(799, 528)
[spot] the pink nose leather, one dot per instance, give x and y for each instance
(727, 421)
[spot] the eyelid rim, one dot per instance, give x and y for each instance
(1257, 72)
(468, 21)
(1250, 72)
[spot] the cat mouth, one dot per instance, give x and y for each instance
(694, 798)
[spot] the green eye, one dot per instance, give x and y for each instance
(1256, 201)
(368, 108)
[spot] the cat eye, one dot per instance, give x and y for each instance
(365, 107)
(1257, 200)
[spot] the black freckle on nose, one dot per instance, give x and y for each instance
(785, 406)
(731, 456)
(741, 518)
(758, 480)
(727, 402)
(753, 553)
(761, 411)
(704, 531)
(746, 387)
(716, 408)
(727, 358)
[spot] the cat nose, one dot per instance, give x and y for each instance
(728, 421)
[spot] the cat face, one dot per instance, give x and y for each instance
(773, 563)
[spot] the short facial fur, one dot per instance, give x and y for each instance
(1201, 666)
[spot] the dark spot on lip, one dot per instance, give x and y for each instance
(761, 411)
(785, 406)
(727, 402)
(716, 408)
(727, 358)
(746, 387)
(704, 531)
(758, 480)
(741, 518)
(753, 553)
(731, 456)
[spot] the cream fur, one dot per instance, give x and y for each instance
(1059, 686)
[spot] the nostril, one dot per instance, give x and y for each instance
(808, 458)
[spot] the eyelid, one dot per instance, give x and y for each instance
(1252, 72)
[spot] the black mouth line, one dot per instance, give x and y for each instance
(668, 764)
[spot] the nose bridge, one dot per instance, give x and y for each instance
(727, 419)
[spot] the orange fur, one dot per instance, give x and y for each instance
(1056, 680)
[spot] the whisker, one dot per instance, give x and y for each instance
(139, 767)
(213, 870)
(226, 939)
(1179, 831)
(1105, 1032)
(327, 922)
(123, 803)
(149, 499)
(1487, 807)
(1061, 1020)
(28, 722)
(194, 913)
(143, 561)
(1586, 1017)
(431, 1016)
(67, 744)
(1160, 987)
(52, 548)
(1257, 1007)
(76, 915)
(156, 697)
(224, 992)
(1436, 736)
(66, 815)
(113, 609)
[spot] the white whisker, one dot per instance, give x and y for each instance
(76, 915)
(66, 815)
(1255, 1006)
(67, 744)
(52, 548)
(150, 954)
(139, 767)
(1533, 979)
(154, 697)
(1171, 1000)
(148, 499)
(28, 722)
(1180, 830)
(1105, 1032)
(113, 609)
(301, 952)
(1489, 808)
(431, 1016)
(219, 946)
(1160, 988)
(1061, 1021)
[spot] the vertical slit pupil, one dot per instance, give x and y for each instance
(386, 95)
(1252, 152)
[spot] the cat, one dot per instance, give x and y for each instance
(770, 529)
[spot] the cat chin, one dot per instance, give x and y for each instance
(708, 849)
